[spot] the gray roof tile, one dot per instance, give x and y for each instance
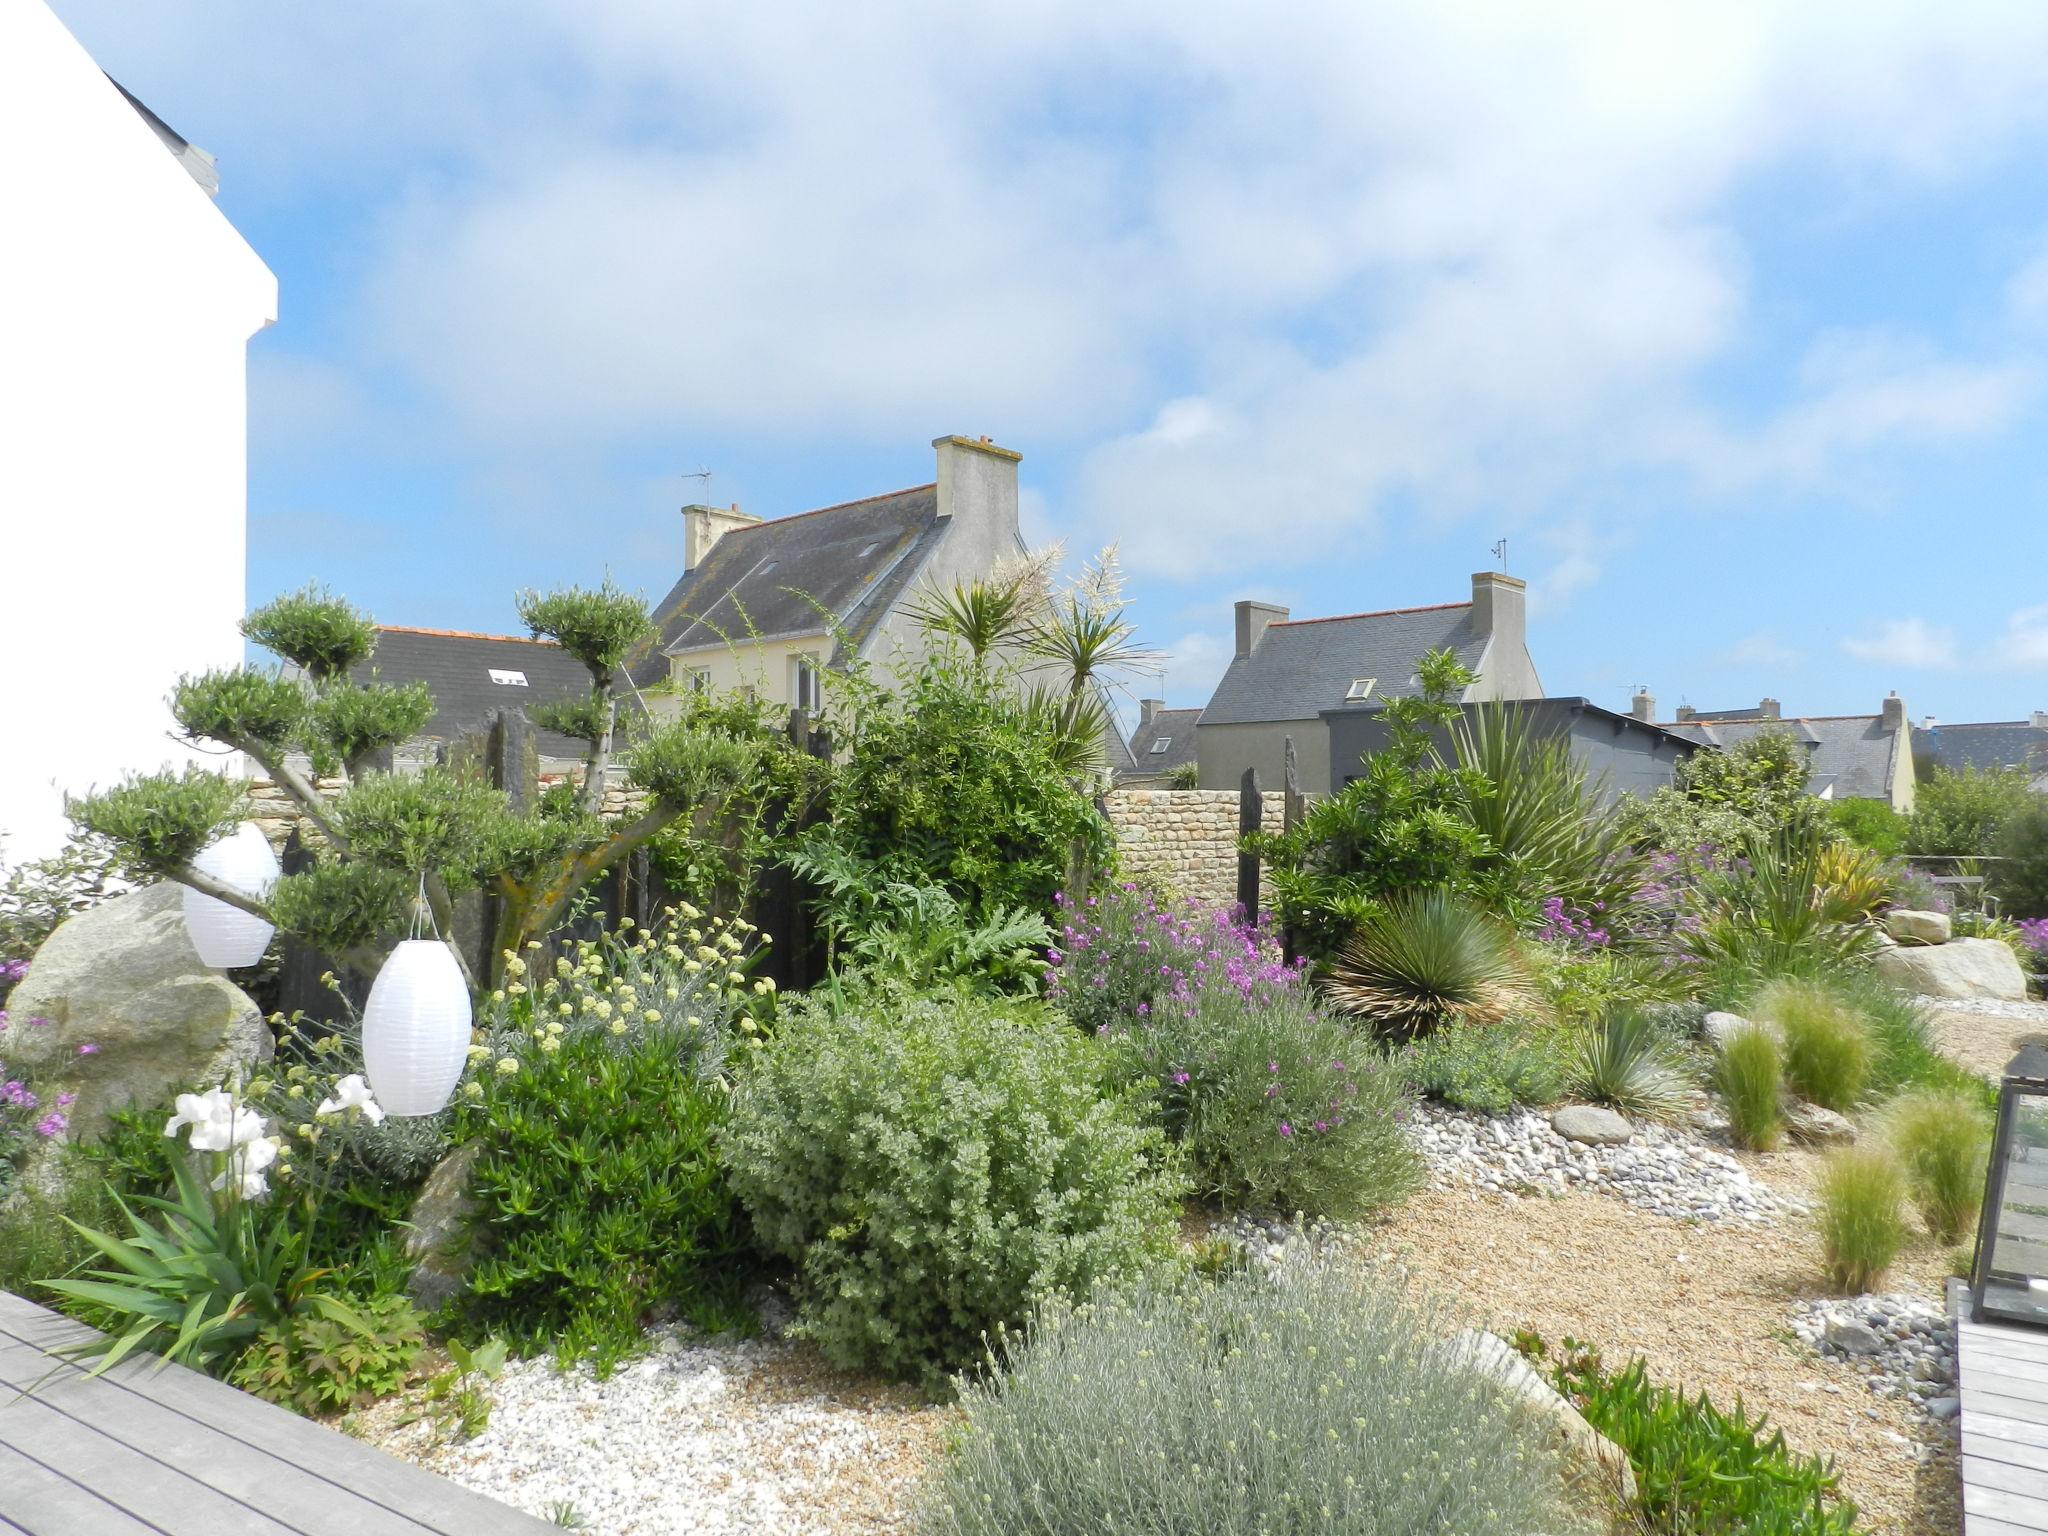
(1175, 727)
(1302, 667)
(1990, 744)
(1853, 754)
(457, 666)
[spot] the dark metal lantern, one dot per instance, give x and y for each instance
(2009, 1269)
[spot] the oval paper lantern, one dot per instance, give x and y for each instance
(416, 1028)
(225, 935)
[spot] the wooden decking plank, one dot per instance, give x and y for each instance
(39, 1502)
(429, 1502)
(2009, 1378)
(2007, 1476)
(300, 1499)
(2012, 1431)
(2002, 1340)
(2017, 1508)
(131, 1480)
(2012, 1452)
(1984, 1525)
(2002, 1406)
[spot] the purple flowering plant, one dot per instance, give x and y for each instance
(2034, 930)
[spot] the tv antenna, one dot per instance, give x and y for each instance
(702, 474)
(1500, 554)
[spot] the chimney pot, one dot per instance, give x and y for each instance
(1894, 711)
(2040, 721)
(1687, 714)
(1148, 711)
(1252, 619)
(1768, 709)
(978, 488)
(1643, 706)
(704, 526)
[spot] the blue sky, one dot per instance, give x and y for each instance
(1732, 319)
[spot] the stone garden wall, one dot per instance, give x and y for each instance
(1185, 839)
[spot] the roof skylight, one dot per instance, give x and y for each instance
(1162, 744)
(1360, 690)
(508, 679)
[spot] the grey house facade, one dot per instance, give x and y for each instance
(1621, 753)
(1288, 674)
(1163, 742)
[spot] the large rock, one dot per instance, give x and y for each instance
(1959, 968)
(1911, 927)
(437, 1237)
(1587, 1453)
(1591, 1125)
(1817, 1126)
(1719, 1028)
(118, 1009)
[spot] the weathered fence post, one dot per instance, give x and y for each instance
(1251, 810)
(1293, 806)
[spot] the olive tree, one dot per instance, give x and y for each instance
(385, 842)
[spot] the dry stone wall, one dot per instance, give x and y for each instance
(1185, 839)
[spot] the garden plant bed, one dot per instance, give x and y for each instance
(700, 1436)
(1708, 1304)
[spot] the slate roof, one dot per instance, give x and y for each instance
(457, 666)
(1175, 727)
(771, 578)
(1987, 745)
(1853, 754)
(1302, 667)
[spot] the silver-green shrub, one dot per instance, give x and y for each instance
(1313, 1401)
(937, 1166)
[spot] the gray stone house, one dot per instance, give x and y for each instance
(1850, 757)
(1163, 742)
(1289, 675)
(473, 674)
(1985, 746)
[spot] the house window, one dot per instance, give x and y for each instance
(1162, 744)
(695, 679)
(1360, 690)
(508, 679)
(806, 690)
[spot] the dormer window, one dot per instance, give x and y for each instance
(1360, 690)
(507, 679)
(1162, 744)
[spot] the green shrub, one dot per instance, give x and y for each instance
(314, 1365)
(1426, 960)
(941, 1167)
(1871, 824)
(1829, 1052)
(1944, 1141)
(1582, 985)
(1965, 813)
(1308, 1402)
(1629, 1062)
(1772, 914)
(1699, 1469)
(1488, 1069)
(1271, 1103)
(598, 1191)
(2020, 879)
(1750, 1074)
(1861, 1189)
(1723, 800)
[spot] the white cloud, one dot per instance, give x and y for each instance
(2026, 638)
(1195, 664)
(1458, 254)
(1761, 648)
(1910, 642)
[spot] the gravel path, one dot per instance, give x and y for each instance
(1983, 1033)
(700, 1438)
(1903, 1346)
(1666, 1170)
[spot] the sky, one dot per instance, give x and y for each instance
(1730, 318)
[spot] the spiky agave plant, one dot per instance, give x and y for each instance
(1427, 960)
(1627, 1062)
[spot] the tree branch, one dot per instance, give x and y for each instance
(207, 885)
(295, 784)
(599, 756)
(443, 907)
(586, 867)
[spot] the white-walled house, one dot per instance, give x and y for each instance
(126, 304)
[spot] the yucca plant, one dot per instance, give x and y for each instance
(1851, 882)
(1424, 961)
(1627, 1062)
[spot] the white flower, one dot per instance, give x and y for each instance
(245, 1167)
(217, 1122)
(352, 1093)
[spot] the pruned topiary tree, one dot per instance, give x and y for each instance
(385, 841)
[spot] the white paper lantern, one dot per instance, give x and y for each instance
(225, 935)
(416, 1028)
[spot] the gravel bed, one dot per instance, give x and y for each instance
(703, 1436)
(1663, 1169)
(2032, 1011)
(1904, 1346)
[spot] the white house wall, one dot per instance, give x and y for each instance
(126, 303)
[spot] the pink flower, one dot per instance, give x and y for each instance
(88, 1049)
(1286, 1129)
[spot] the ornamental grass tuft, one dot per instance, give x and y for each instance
(1829, 1049)
(1750, 1075)
(1944, 1140)
(1861, 1190)
(1308, 1401)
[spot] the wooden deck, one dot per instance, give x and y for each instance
(2004, 1373)
(172, 1452)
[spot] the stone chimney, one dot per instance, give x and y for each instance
(1148, 711)
(705, 526)
(1894, 711)
(1643, 707)
(1687, 714)
(978, 490)
(2040, 720)
(1500, 608)
(1252, 619)
(1768, 709)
